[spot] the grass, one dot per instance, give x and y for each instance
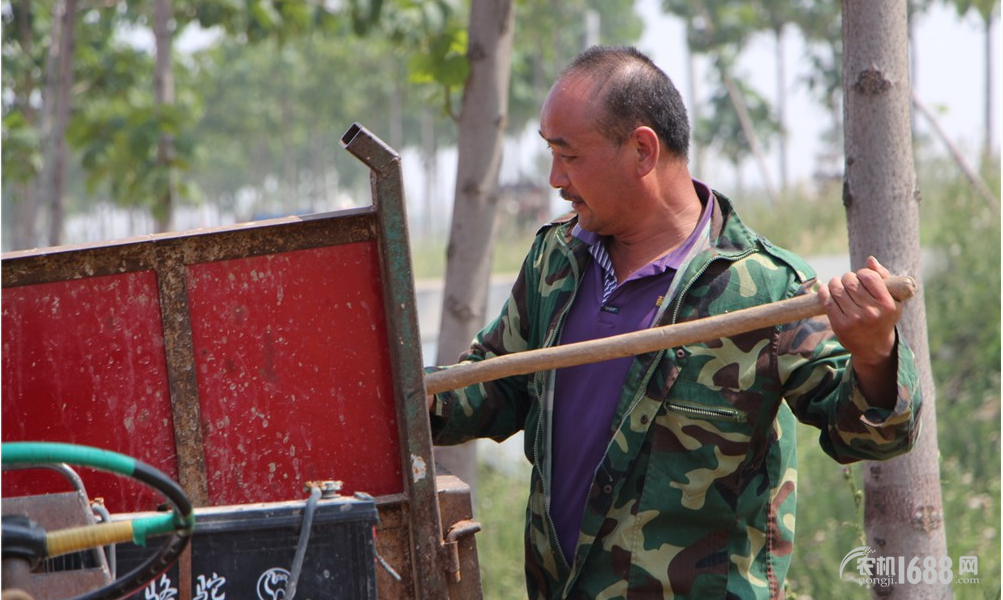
(501, 509)
(812, 224)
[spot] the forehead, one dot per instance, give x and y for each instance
(567, 117)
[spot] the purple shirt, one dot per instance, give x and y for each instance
(586, 396)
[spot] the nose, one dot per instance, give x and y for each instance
(558, 176)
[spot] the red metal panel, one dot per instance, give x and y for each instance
(293, 379)
(83, 362)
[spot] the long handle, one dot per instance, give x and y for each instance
(630, 344)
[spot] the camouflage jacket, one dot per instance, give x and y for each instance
(695, 495)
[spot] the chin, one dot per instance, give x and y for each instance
(588, 226)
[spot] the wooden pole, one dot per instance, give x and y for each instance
(630, 344)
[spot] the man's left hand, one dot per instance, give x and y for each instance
(863, 316)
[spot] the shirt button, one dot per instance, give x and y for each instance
(644, 419)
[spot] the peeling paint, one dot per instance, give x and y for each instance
(418, 469)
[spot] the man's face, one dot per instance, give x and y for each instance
(586, 167)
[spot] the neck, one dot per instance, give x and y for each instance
(664, 229)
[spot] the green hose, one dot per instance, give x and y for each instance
(53, 452)
(182, 520)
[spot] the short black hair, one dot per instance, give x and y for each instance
(632, 91)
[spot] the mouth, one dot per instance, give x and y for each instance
(575, 200)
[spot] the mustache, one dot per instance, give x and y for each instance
(566, 195)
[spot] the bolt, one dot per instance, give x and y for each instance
(328, 488)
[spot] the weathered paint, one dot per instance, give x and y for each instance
(84, 360)
(291, 358)
(149, 283)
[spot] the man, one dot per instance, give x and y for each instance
(670, 474)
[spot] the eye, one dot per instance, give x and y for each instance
(564, 157)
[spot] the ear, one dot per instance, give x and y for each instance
(647, 147)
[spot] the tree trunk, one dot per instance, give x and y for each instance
(782, 108)
(911, 7)
(472, 233)
(25, 216)
(430, 162)
(903, 512)
(694, 104)
(56, 116)
(163, 95)
(23, 233)
(990, 126)
(738, 101)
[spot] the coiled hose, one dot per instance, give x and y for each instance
(180, 523)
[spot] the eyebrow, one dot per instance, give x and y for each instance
(555, 141)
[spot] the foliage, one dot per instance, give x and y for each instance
(985, 8)
(720, 30)
(273, 114)
(245, 122)
(965, 284)
(116, 138)
(260, 108)
(962, 236)
(434, 36)
(21, 149)
(254, 21)
(113, 125)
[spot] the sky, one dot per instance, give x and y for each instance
(950, 62)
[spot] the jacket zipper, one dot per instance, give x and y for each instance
(658, 358)
(692, 280)
(728, 414)
(539, 424)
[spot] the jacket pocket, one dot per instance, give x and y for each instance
(690, 399)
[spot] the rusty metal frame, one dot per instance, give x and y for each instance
(386, 178)
(168, 255)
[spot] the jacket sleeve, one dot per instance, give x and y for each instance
(822, 390)
(494, 409)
